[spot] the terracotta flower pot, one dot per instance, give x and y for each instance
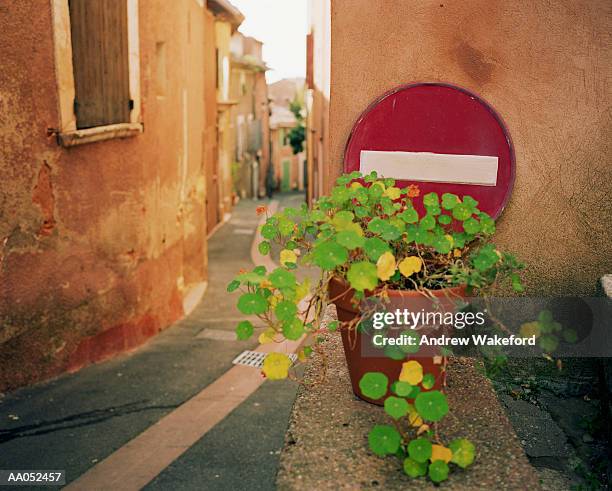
(358, 365)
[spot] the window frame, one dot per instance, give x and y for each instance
(68, 134)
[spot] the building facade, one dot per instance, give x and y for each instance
(318, 66)
(227, 21)
(289, 167)
(547, 84)
(250, 117)
(108, 157)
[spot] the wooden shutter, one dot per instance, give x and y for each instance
(100, 61)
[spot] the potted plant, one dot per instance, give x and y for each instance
(372, 241)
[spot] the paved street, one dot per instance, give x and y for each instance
(74, 422)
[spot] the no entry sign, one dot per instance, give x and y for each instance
(439, 136)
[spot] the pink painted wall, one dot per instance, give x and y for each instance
(97, 242)
(545, 67)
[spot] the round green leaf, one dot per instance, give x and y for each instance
(414, 347)
(449, 201)
(438, 471)
(328, 255)
(428, 381)
(269, 231)
(374, 385)
(362, 276)
(487, 224)
(396, 407)
(264, 248)
(394, 352)
(570, 336)
(377, 225)
(374, 247)
(471, 226)
(349, 239)
(390, 232)
(444, 219)
(293, 329)
(431, 199)
(281, 278)
(342, 219)
(442, 244)
(285, 226)
(548, 343)
(485, 258)
(427, 222)
(384, 440)
(431, 405)
(470, 202)
(285, 310)
(402, 389)
(461, 212)
(463, 452)
(252, 303)
(233, 286)
(413, 468)
(420, 449)
(244, 330)
(409, 216)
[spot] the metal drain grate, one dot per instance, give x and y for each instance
(255, 359)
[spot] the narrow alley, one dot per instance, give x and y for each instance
(305, 245)
(76, 421)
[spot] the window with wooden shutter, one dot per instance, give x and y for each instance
(99, 30)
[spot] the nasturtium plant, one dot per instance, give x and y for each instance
(373, 235)
(414, 437)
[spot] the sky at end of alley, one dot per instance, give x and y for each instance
(282, 26)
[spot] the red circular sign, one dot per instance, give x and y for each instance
(442, 119)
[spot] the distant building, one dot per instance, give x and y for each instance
(250, 116)
(289, 168)
(318, 79)
(227, 19)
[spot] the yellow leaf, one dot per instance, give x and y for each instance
(413, 417)
(355, 227)
(412, 372)
(355, 185)
(274, 299)
(385, 266)
(410, 265)
(393, 193)
(287, 256)
(438, 452)
(457, 253)
(530, 329)
(276, 366)
(302, 290)
(379, 183)
(422, 429)
(267, 336)
(450, 239)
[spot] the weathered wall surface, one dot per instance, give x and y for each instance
(545, 67)
(96, 241)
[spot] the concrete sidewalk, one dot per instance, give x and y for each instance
(77, 420)
(326, 445)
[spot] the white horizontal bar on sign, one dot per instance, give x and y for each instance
(431, 167)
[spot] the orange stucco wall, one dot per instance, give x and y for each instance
(545, 67)
(97, 242)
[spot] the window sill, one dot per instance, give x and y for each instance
(99, 133)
